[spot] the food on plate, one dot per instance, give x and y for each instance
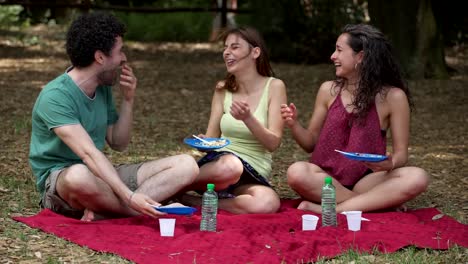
(214, 143)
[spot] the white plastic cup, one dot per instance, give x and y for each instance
(309, 222)
(167, 226)
(354, 220)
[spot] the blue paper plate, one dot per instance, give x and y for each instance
(362, 156)
(180, 210)
(198, 144)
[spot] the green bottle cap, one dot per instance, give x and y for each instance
(328, 180)
(210, 186)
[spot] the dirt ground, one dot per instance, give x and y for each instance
(175, 87)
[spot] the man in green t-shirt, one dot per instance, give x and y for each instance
(73, 118)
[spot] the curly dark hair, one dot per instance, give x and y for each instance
(92, 32)
(253, 37)
(378, 70)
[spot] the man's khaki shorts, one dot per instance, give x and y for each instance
(51, 200)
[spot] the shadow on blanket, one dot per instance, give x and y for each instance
(254, 238)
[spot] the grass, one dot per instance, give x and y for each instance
(175, 88)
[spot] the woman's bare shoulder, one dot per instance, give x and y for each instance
(392, 99)
(394, 94)
(327, 90)
(277, 84)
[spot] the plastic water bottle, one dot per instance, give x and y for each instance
(209, 209)
(328, 203)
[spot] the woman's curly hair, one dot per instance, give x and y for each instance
(378, 70)
(89, 33)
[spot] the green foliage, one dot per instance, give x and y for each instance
(303, 31)
(167, 27)
(9, 15)
(184, 26)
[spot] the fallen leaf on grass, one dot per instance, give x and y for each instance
(16, 215)
(437, 217)
(370, 258)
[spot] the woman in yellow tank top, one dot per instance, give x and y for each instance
(246, 110)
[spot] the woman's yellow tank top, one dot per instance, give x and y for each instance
(243, 142)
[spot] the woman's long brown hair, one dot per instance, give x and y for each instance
(253, 37)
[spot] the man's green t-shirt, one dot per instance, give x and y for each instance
(61, 103)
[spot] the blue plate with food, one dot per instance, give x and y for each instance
(177, 210)
(362, 156)
(207, 144)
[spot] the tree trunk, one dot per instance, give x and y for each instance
(414, 33)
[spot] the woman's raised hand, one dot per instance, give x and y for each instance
(289, 114)
(240, 110)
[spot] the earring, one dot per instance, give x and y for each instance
(356, 66)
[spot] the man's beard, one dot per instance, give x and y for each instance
(109, 77)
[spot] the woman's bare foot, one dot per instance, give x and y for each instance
(310, 206)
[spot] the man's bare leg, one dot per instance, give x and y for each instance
(82, 190)
(161, 179)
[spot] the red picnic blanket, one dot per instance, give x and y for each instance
(259, 238)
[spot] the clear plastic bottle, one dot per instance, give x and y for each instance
(209, 209)
(328, 203)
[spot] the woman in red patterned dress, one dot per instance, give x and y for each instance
(353, 113)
